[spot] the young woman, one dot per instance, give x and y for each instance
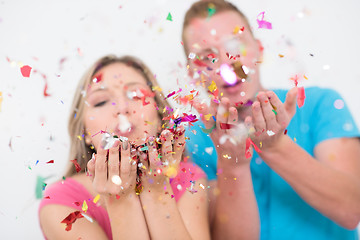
(136, 186)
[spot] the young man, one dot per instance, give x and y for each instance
(306, 172)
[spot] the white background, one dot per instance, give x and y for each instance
(41, 33)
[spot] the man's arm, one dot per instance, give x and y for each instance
(330, 183)
(233, 207)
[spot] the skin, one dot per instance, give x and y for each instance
(335, 188)
(153, 209)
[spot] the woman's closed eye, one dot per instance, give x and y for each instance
(99, 104)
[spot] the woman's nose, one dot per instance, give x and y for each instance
(121, 107)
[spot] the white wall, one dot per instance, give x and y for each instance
(41, 33)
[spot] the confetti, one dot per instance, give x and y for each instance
(339, 104)
(226, 126)
(227, 74)
(107, 141)
(212, 86)
(192, 55)
(270, 133)
(40, 187)
(96, 198)
(207, 116)
(25, 70)
(199, 63)
(51, 161)
(169, 17)
(77, 166)
(97, 78)
(116, 180)
(301, 97)
(84, 206)
(211, 10)
(71, 218)
(208, 131)
(262, 23)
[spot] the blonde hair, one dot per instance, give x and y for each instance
(79, 150)
(200, 9)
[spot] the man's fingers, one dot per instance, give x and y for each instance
(206, 112)
(290, 101)
(223, 112)
(267, 110)
(258, 118)
(278, 109)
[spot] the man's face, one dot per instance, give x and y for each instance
(220, 37)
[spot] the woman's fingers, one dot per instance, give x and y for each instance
(179, 143)
(166, 148)
(101, 169)
(153, 154)
(91, 167)
(113, 169)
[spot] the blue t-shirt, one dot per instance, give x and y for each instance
(283, 214)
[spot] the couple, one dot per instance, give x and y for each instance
(301, 182)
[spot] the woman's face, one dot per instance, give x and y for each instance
(120, 102)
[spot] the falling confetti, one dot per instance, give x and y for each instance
(1, 99)
(169, 17)
(71, 218)
(40, 187)
(227, 74)
(211, 10)
(212, 86)
(301, 97)
(262, 23)
(84, 206)
(25, 70)
(77, 166)
(96, 199)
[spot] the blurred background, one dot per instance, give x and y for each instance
(60, 39)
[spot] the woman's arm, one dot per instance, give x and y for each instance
(116, 184)
(165, 218)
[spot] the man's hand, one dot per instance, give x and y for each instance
(270, 117)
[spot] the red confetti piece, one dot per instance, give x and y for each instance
(51, 161)
(301, 97)
(226, 126)
(77, 166)
(47, 197)
(25, 71)
(249, 142)
(45, 90)
(285, 132)
(77, 203)
(71, 218)
(199, 63)
(97, 78)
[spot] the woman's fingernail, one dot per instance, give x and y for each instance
(125, 145)
(151, 141)
(116, 143)
(93, 158)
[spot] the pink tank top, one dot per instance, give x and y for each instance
(72, 194)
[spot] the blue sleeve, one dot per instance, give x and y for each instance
(331, 117)
(201, 150)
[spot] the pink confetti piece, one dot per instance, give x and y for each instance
(301, 97)
(25, 70)
(262, 23)
(226, 126)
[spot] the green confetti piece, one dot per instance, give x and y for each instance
(208, 131)
(169, 17)
(211, 11)
(146, 148)
(274, 112)
(40, 187)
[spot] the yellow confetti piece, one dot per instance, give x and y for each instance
(236, 30)
(294, 139)
(235, 178)
(164, 109)
(226, 114)
(84, 206)
(79, 137)
(202, 186)
(157, 88)
(306, 77)
(212, 87)
(260, 144)
(221, 94)
(208, 116)
(280, 55)
(171, 172)
(96, 198)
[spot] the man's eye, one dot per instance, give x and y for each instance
(100, 104)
